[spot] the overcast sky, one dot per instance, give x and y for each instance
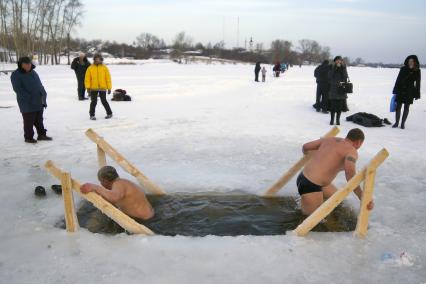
(376, 30)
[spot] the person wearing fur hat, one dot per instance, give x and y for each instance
(31, 97)
(98, 82)
(80, 65)
(407, 88)
(337, 99)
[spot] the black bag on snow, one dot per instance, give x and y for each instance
(366, 119)
(121, 95)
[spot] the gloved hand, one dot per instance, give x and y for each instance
(109, 92)
(45, 105)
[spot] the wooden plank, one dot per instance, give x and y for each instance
(71, 220)
(107, 208)
(339, 196)
(144, 181)
(288, 175)
(101, 157)
(367, 196)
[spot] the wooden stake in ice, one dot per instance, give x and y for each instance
(367, 196)
(124, 163)
(71, 220)
(340, 195)
(287, 176)
(107, 208)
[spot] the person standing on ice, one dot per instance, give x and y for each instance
(256, 72)
(98, 82)
(407, 88)
(80, 65)
(337, 103)
(264, 74)
(321, 75)
(31, 97)
(330, 156)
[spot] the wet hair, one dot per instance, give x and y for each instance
(107, 173)
(355, 134)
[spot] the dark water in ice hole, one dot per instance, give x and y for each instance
(219, 214)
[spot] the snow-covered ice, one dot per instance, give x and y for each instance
(199, 127)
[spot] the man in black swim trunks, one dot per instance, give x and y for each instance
(331, 156)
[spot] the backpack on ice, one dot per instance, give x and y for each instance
(120, 95)
(366, 119)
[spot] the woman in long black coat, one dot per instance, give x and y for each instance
(256, 72)
(337, 98)
(407, 88)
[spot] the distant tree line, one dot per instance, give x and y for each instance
(40, 28)
(147, 45)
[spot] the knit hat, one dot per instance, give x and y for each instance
(338, 57)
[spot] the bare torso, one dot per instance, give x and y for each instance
(328, 161)
(134, 202)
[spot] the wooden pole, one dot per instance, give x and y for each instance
(107, 208)
(101, 157)
(339, 196)
(71, 220)
(367, 196)
(287, 176)
(126, 165)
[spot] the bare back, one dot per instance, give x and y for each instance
(328, 160)
(134, 201)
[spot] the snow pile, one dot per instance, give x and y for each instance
(195, 128)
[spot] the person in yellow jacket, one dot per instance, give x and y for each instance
(98, 82)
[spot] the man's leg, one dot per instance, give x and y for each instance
(81, 89)
(328, 191)
(311, 201)
(29, 119)
(104, 101)
(318, 99)
(38, 123)
(93, 102)
(324, 97)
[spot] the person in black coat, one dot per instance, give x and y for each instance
(337, 103)
(407, 88)
(321, 75)
(80, 65)
(256, 72)
(277, 69)
(31, 97)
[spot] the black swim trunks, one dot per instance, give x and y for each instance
(306, 186)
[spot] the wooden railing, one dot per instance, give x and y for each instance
(69, 184)
(288, 175)
(104, 147)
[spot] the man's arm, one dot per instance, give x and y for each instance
(114, 195)
(350, 170)
(311, 146)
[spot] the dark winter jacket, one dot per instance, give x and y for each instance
(337, 75)
(321, 72)
(30, 93)
(277, 67)
(80, 69)
(407, 85)
(257, 68)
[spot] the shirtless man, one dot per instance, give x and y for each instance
(332, 156)
(122, 193)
